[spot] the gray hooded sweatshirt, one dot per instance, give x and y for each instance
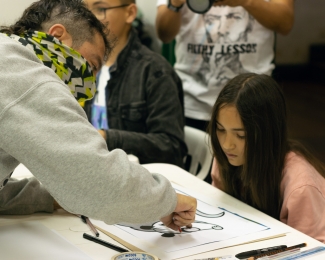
(44, 127)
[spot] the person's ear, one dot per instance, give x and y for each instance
(60, 32)
(132, 11)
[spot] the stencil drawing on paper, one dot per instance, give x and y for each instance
(212, 224)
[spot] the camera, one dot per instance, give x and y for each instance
(200, 6)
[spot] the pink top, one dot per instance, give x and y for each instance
(303, 193)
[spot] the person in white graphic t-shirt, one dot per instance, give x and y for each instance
(233, 37)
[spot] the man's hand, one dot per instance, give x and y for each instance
(56, 205)
(183, 215)
(102, 133)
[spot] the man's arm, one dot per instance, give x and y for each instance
(26, 196)
(55, 141)
(168, 22)
(276, 15)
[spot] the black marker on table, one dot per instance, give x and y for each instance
(87, 221)
(104, 243)
(248, 254)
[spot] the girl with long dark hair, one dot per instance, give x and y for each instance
(257, 163)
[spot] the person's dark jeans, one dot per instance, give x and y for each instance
(198, 124)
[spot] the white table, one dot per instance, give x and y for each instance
(71, 227)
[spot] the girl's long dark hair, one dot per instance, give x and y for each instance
(262, 108)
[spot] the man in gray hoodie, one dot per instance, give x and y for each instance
(43, 126)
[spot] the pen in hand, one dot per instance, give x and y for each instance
(87, 221)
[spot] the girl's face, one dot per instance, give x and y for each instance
(231, 134)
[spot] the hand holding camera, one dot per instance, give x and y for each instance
(200, 6)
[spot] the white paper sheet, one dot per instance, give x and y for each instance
(215, 227)
(34, 241)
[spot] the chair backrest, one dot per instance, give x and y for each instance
(199, 152)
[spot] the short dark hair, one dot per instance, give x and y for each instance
(80, 23)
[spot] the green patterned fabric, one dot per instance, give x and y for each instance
(67, 63)
(168, 51)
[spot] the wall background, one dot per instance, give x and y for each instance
(309, 26)
(11, 10)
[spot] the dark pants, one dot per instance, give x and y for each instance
(198, 124)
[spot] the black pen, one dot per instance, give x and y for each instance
(104, 243)
(87, 221)
(248, 254)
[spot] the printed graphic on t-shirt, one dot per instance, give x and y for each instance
(224, 39)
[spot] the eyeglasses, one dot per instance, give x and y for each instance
(100, 12)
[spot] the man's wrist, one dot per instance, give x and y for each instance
(174, 5)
